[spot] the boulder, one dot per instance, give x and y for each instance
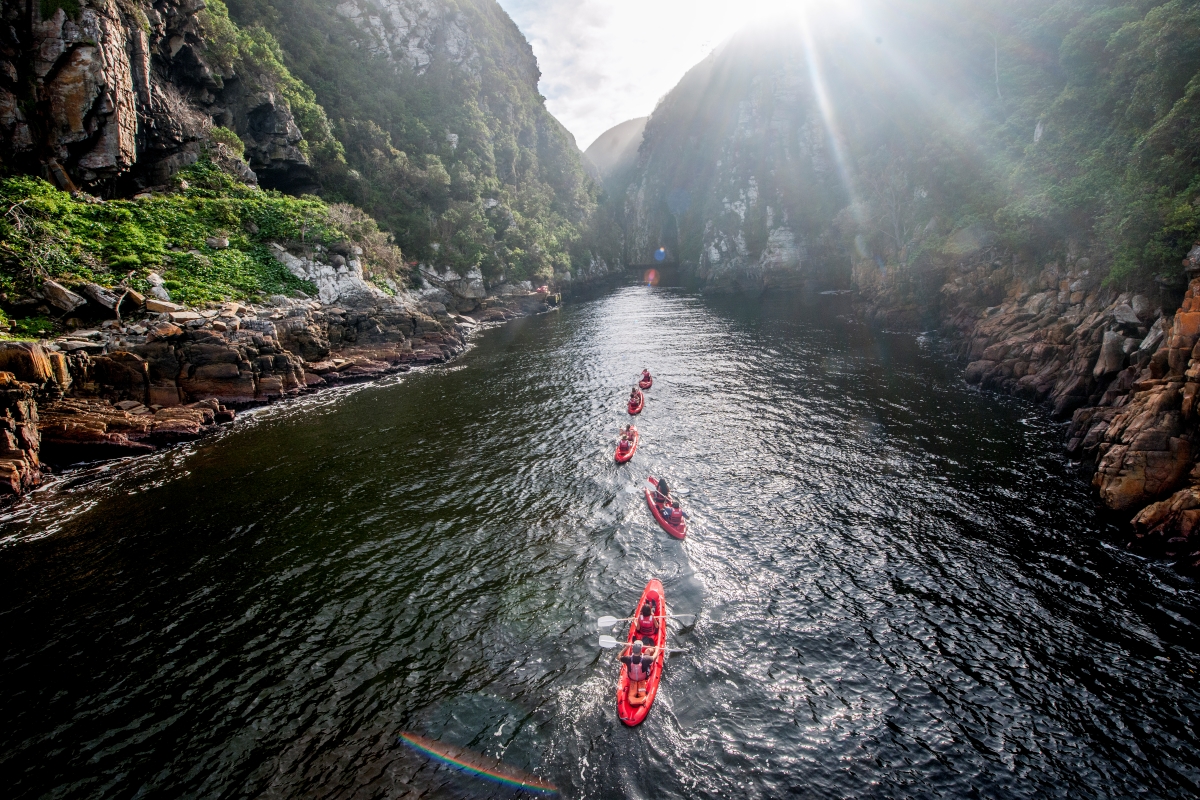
(1112, 355)
(1142, 307)
(156, 306)
(102, 296)
(27, 361)
(1125, 315)
(61, 297)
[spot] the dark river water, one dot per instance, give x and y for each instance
(902, 588)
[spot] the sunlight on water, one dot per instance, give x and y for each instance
(902, 589)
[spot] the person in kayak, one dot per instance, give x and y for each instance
(635, 397)
(641, 664)
(647, 624)
(662, 492)
(645, 374)
(627, 434)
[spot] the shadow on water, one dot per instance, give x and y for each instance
(902, 588)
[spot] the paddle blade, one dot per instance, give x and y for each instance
(608, 642)
(606, 622)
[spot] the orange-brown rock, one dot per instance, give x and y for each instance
(20, 466)
(77, 429)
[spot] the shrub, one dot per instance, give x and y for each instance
(230, 139)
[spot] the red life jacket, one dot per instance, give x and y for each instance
(639, 670)
(647, 627)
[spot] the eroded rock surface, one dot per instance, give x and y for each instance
(129, 388)
(1123, 368)
(112, 96)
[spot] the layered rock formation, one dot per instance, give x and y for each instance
(173, 374)
(20, 466)
(114, 96)
(1125, 370)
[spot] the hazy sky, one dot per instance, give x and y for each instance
(606, 61)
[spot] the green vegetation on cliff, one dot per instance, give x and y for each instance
(458, 158)
(254, 55)
(1103, 140)
(47, 234)
(1044, 126)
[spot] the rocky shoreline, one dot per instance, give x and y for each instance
(171, 374)
(1121, 370)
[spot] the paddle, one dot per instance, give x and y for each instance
(608, 622)
(608, 643)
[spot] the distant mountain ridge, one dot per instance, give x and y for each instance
(615, 151)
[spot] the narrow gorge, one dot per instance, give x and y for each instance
(317, 336)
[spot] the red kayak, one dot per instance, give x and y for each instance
(678, 531)
(634, 714)
(641, 403)
(622, 457)
(646, 382)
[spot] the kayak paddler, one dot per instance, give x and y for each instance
(662, 492)
(627, 434)
(672, 513)
(635, 396)
(647, 625)
(641, 664)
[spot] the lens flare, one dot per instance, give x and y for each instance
(478, 765)
(660, 254)
(651, 277)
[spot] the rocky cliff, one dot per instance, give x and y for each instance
(113, 97)
(447, 141)
(170, 374)
(614, 154)
(735, 176)
(1123, 368)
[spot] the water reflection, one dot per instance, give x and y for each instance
(902, 589)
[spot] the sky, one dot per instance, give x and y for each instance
(606, 61)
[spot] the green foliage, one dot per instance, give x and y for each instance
(1119, 162)
(32, 328)
(509, 197)
(254, 55)
(230, 139)
(45, 233)
(49, 7)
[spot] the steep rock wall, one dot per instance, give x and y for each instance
(120, 95)
(1123, 367)
(735, 176)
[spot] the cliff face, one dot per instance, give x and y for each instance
(1123, 367)
(447, 141)
(115, 96)
(735, 175)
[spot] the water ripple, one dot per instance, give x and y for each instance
(902, 589)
